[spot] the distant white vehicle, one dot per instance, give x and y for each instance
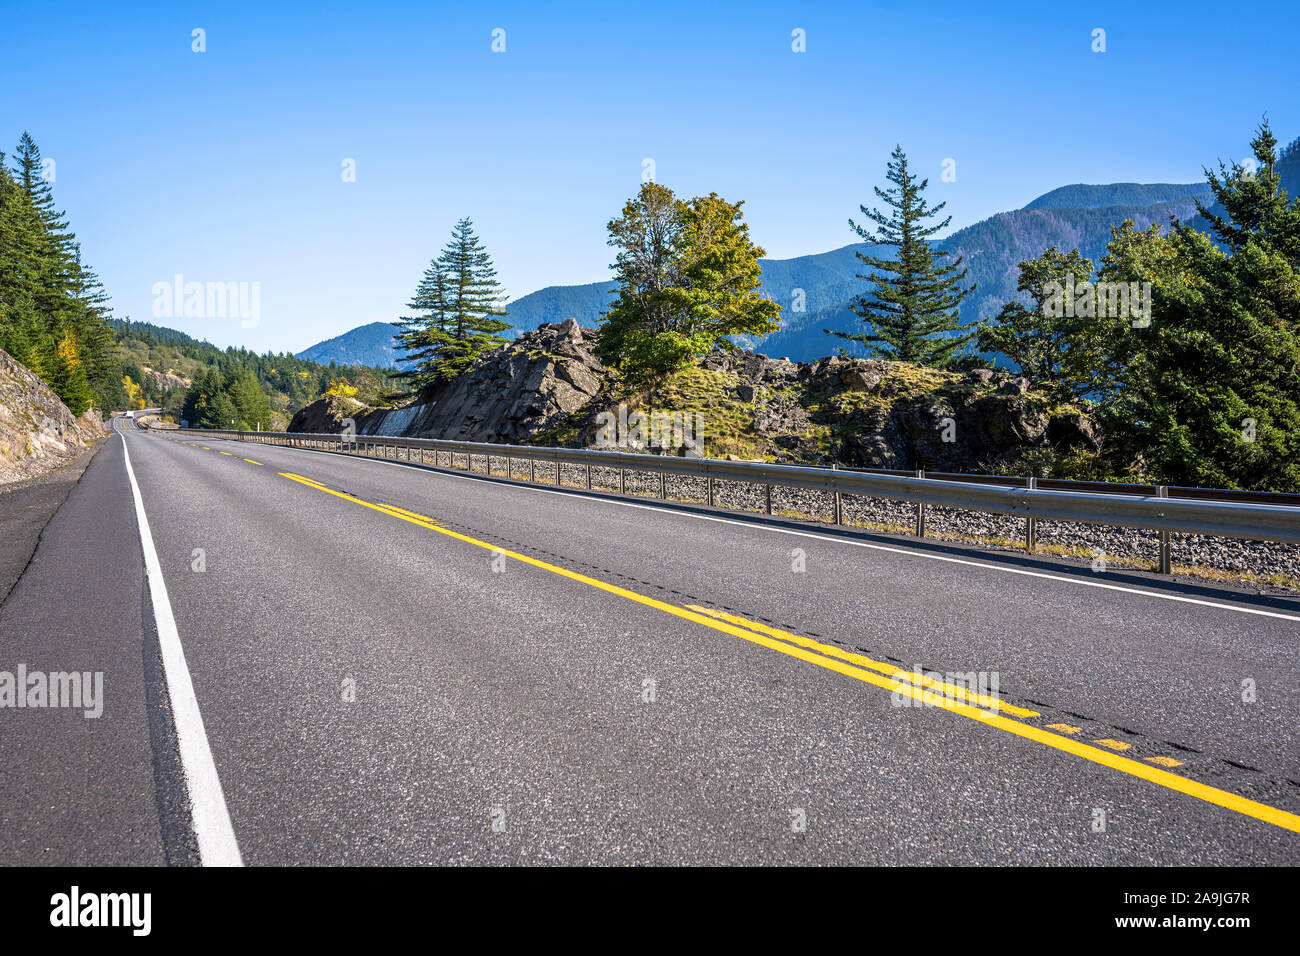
(130, 414)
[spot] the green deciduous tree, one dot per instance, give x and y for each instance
(689, 277)
(1048, 348)
(911, 313)
(68, 376)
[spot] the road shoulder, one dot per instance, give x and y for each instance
(27, 506)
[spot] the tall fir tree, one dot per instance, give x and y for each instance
(911, 313)
(462, 316)
(23, 331)
(431, 307)
(57, 247)
(1254, 205)
(252, 410)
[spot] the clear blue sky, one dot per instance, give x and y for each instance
(225, 165)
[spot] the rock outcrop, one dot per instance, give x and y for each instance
(513, 395)
(329, 416)
(37, 432)
(548, 387)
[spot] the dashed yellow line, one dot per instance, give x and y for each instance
(1164, 761)
(1113, 744)
(1170, 781)
(1064, 728)
(956, 691)
(251, 462)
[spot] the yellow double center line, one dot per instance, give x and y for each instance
(959, 701)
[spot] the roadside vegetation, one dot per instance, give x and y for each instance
(1182, 344)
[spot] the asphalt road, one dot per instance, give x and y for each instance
(503, 673)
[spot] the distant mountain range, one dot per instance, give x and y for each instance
(365, 345)
(1079, 216)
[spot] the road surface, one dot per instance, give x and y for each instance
(397, 664)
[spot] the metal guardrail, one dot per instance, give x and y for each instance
(1155, 507)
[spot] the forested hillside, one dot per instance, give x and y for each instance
(174, 370)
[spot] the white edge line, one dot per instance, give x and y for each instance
(211, 820)
(579, 493)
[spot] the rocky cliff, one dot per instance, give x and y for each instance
(513, 395)
(37, 432)
(548, 387)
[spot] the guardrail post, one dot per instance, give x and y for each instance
(622, 481)
(710, 491)
(1031, 523)
(1162, 491)
(663, 489)
(558, 483)
(532, 469)
(839, 502)
(920, 509)
(589, 477)
(769, 499)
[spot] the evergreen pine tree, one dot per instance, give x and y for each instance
(1256, 205)
(24, 334)
(98, 345)
(220, 411)
(249, 401)
(57, 254)
(431, 305)
(912, 312)
(472, 295)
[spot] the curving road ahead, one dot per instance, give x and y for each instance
(392, 663)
